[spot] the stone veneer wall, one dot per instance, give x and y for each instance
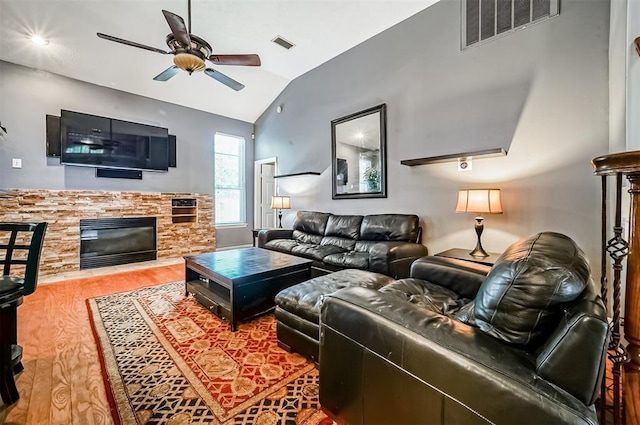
(63, 209)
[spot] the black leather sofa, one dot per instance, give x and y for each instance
(382, 243)
(521, 343)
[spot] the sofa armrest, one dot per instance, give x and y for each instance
(394, 258)
(373, 344)
(462, 277)
(266, 235)
(573, 357)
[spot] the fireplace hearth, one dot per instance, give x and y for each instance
(112, 241)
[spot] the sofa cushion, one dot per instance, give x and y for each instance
(344, 226)
(364, 246)
(311, 222)
(315, 252)
(281, 245)
(523, 296)
(303, 237)
(427, 295)
(342, 243)
(390, 227)
(351, 259)
(342, 231)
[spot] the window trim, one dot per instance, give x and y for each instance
(242, 183)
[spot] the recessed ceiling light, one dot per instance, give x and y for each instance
(39, 40)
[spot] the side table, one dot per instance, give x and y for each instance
(255, 235)
(463, 254)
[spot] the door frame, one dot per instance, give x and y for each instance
(256, 185)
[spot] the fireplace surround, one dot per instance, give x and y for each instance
(63, 210)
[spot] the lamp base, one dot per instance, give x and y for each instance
(279, 219)
(478, 251)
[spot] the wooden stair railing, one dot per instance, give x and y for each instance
(626, 397)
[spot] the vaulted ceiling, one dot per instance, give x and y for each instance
(320, 31)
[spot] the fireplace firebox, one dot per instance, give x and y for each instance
(112, 241)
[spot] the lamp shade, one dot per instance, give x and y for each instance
(280, 202)
(479, 201)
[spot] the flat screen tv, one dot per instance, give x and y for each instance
(93, 141)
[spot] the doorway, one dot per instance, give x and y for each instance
(265, 188)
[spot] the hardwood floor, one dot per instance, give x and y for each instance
(62, 379)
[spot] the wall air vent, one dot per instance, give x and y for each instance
(282, 42)
(484, 20)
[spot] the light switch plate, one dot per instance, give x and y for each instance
(16, 163)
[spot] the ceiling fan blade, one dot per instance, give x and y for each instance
(167, 73)
(246, 60)
(227, 81)
(178, 28)
(130, 43)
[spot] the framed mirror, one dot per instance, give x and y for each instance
(358, 154)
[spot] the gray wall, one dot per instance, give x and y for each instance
(541, 92)
(27, 95)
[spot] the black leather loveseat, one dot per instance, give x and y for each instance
(522, 343)
(382, 243)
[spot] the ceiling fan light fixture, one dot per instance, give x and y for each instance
(189, 62)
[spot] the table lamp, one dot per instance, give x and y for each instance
(280, 203)
(479, 201)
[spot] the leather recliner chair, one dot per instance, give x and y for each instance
(523, 342)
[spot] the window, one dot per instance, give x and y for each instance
(229, 180)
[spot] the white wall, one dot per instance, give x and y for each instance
(633, 74)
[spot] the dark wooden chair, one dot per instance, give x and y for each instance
(20, 246)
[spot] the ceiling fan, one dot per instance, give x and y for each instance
(190, 52)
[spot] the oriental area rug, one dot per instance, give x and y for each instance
(167, 360)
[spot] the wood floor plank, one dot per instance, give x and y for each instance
(38, 343)
(62, 382)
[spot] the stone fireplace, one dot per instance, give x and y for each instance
(65, 210)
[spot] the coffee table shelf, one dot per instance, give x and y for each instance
(203, 293)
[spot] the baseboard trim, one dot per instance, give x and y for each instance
(227, 248)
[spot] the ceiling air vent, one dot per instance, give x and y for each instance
(282, 42)
(484, 20)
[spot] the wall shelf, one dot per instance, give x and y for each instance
(485, 153)
(184, 210)
(304, 173)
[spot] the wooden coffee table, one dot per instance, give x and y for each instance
(240, 283)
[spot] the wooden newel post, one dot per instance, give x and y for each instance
(632, 298)
(624, 164)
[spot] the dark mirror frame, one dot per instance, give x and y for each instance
(382, 193)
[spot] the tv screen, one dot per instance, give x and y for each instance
(90, 140)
